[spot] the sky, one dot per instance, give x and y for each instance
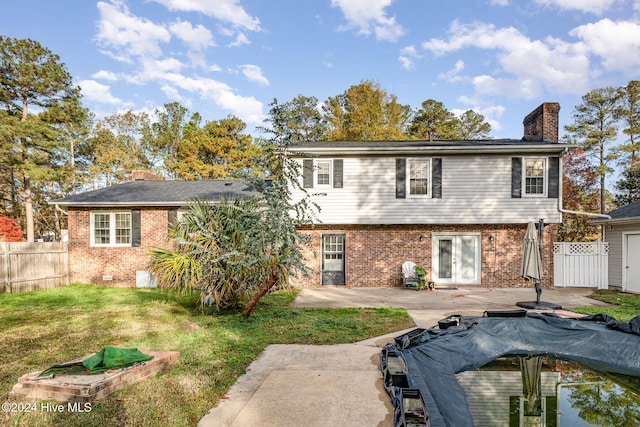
(500, 58)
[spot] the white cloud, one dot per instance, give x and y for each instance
(407, 55)
(592, 6)
(527, 67)
(617, 43)
(406, 62)
(526, 88)
(247, 108)
(254, 74)
(369, 16)
(98, 92)
(492, 113)
(228, 11)
(197, 38)
(240, 40)
(500, 2)
(172, 93)
(453, 75)
(128, 34)
(105, 75)
(477, 34)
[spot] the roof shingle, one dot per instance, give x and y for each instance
(159, 193)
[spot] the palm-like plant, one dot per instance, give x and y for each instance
(207, 251)
(229, 251)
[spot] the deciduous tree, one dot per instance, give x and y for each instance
(472, 125)
(366, 112)
(434, 121)
(297, 120)
(10, 231)
(579, 193)
(164, 136)
(217, 150)
(119, 147)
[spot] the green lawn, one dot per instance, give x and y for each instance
(38, 329)
(627, 306)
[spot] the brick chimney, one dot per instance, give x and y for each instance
(542, 123)
(144, 175)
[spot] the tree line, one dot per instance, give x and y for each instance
(606, 128)
(52, 146)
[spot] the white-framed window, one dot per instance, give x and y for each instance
(110, 228)
(534, 178)
(419, 177)
(322, 174)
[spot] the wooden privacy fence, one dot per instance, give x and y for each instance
(30, 266)
(582, 265)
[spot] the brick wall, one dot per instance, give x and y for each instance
(90, 264)
(374, 254)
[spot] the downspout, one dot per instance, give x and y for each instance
(560, 208)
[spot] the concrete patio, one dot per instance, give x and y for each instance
(301, 385)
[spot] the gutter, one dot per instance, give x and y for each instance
(562, 210)
(597, 215)
(451, 149)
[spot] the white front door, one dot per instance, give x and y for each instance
(456, 259)
(631, 263)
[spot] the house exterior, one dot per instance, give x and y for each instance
(457, 208)
(622, 232)
(111, 230)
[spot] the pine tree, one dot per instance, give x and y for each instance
(30, 76)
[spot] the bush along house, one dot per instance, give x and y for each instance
(459, 209)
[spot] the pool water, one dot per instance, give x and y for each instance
(543, 391)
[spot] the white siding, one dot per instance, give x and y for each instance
(616, 256)
(475, 190)
(488, 393)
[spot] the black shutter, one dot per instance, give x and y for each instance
(172, 218)
(516, 177)
(337, 173)
(135, 228)
(436, 179)
(307, 173)
(554, 178)
(401, 178)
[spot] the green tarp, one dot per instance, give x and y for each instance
(107, 358)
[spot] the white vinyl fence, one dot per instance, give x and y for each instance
(583, 265)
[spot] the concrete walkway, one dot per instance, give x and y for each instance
(341, 385)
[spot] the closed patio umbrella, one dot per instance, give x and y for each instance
(531, 269)
(531, 372)
(531, 260)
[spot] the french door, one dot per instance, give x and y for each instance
(456, 258)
